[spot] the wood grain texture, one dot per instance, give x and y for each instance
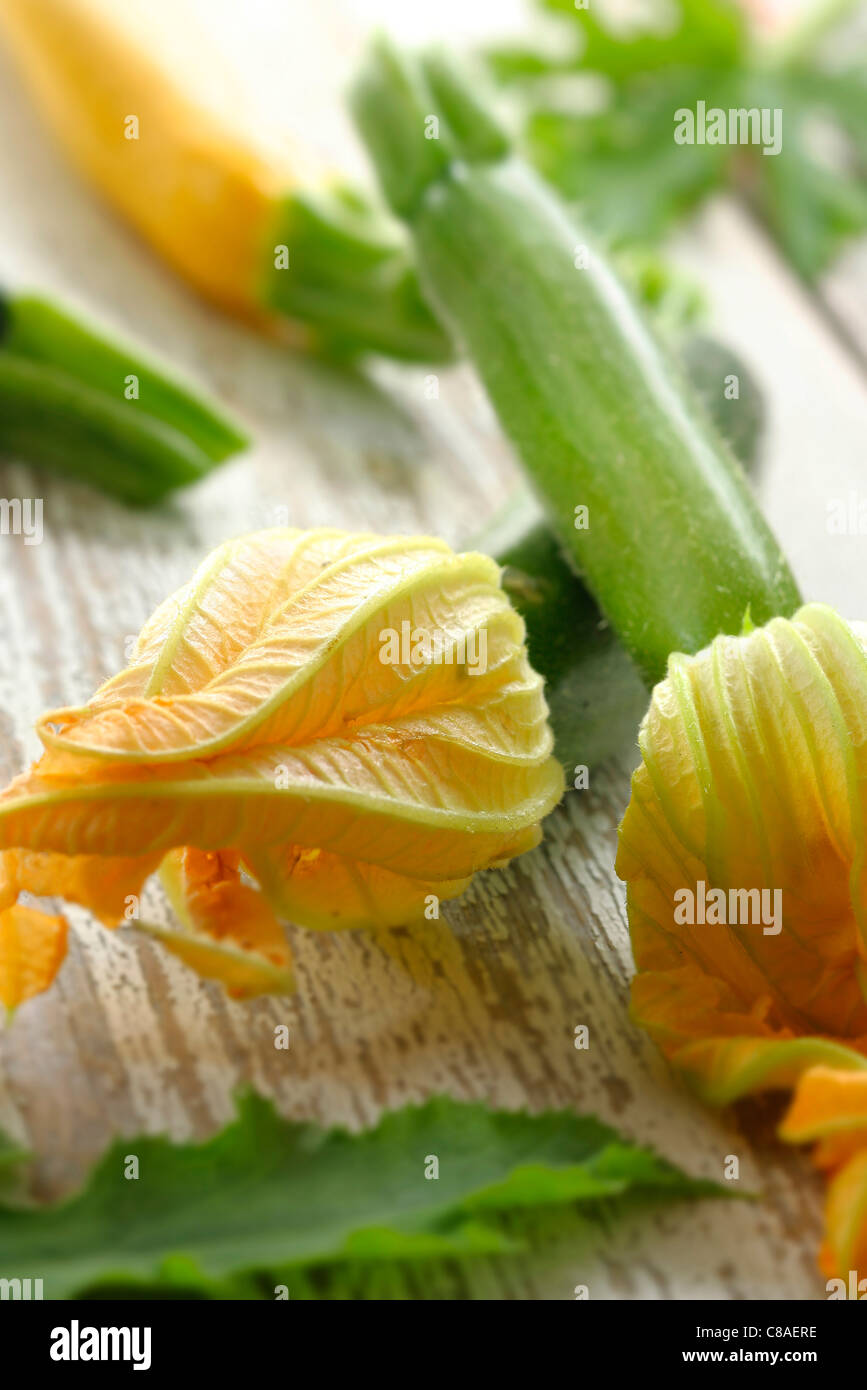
(482, 1004)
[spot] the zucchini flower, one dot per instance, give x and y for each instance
(335, 729)
(743, 850)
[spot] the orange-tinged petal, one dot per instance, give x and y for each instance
(107, 885)
(32, 942)
(829, 1108)
(752, 756)
(243, 974)
(409, 797)
(200, 631)
(753, 789)
(8, 878)
(210, 896)
(352, 716)
(32, 948)
(845, 1245)
(314, 663)
(230, 932)
(334, 893)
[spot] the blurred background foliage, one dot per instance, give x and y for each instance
(596, 100)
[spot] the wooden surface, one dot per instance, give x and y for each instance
(484, 1003)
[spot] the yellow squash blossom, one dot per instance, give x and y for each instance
(743, 850)
(323, 727)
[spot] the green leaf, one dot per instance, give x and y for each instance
(12, 1160)
(813, 195)
(598, 123)
(270, 1201)
(620, 165)
(686, 31)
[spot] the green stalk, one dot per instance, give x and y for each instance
(75, 401)
(350, 279)
(676, 550)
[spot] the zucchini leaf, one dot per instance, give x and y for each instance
(267, 1201)
(12, 1177)
(598, 112)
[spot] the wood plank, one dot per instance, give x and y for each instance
(843, 291)
(814, 446)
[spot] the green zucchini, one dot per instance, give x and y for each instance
(76, 401)
(675, 550)
(595, 694)
(596, 697)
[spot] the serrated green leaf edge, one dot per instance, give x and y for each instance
(267, 1194)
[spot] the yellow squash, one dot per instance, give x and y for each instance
(148, 112)
(173, 136)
